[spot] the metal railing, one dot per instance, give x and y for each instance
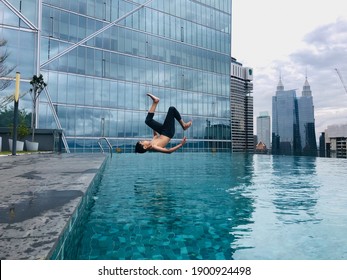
(56, 118)
(108, 144)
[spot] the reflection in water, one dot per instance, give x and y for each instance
(217, 206)
(240, 214)
(156, 197)
(296, 189)
(177, 207)
(184, 218)
(38, 203)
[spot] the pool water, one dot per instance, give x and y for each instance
(218, 206)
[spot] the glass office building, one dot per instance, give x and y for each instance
(307, 121)
(285, 122)
(100, 58)
(264, 129)
(293, 125)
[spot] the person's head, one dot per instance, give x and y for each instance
(142, 146)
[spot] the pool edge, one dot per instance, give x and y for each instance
(57, 252)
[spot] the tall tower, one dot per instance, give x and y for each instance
(306, 121)
(263, 128)
(285, 120)
(306, 90)
(280, 86)
(241, 104)
(293, 122)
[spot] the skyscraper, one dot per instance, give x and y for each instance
(335, 142)
(293, 127)
(306, 120)
(100, 58)
(241, 107)
(285, 132)
(263, 129)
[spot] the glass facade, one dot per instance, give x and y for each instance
(306, 120)
(100, 58)
(285, 133)
(293, 126)
(264, 129)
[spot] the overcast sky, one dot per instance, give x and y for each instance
(293, 37)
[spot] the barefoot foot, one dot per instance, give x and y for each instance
(154, 98)
(187, 125)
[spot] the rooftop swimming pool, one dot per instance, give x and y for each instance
(217, 206)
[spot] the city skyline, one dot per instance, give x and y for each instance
(294, 39)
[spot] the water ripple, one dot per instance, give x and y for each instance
(218, 206)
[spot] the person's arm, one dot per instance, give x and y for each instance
(172, 149)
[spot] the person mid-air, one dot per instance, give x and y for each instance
(162, 132)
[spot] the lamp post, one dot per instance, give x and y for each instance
(15, 113)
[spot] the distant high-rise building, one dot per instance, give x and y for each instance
(336, 141)
(322, 148)
(263, 129)
(306, 121)
(241, 103)
(293, 122)
(285, 120)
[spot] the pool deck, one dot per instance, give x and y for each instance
(38, 195)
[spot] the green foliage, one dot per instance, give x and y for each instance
(23, 127)
(6, 117)
(38, 85)
(6, 120)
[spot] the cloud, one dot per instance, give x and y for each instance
(325, 47)
(324, 50)
(331, 34)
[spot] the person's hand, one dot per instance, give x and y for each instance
(184, 140)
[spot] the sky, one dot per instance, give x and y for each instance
(293, 38)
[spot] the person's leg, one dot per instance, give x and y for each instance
(169, 123)
(154, 104)
(173, 111)
(156, 126)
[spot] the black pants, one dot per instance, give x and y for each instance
(168, 127)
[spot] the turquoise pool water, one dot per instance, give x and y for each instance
(218, 206)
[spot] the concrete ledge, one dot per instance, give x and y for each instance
(39, 198)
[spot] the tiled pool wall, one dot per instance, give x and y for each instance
(67, 243)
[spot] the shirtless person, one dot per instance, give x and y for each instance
(162, 132)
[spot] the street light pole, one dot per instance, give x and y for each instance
(15, 113)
